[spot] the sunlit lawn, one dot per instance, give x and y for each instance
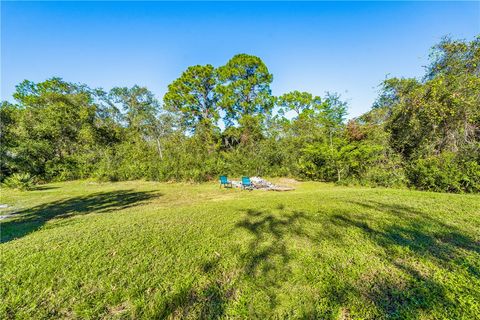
(152, 250)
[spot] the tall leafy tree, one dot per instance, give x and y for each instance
(141, 141)
(454, 57)
(435, 122)
(296, 101)
(9, 114)
(193, 96)
(139, 108)
(440, 113)
(57, 124)
(245, 90)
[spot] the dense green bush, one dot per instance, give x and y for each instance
(20, 181)
(444, 172)
(386, 175)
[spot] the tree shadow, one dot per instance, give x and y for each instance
(43, 187)
(422, 233)
(31, 219)
(419, 237)
(401, 286)
(266, 259)
(208, 301)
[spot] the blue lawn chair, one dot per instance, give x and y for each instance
(246, 183)
(225, 183)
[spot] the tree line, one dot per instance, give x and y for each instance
(421, 133)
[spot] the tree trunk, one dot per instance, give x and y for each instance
(159, 149)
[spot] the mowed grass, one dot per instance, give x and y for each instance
(153, 250)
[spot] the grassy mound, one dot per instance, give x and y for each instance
(151, 250)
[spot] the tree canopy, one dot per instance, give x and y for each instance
(421, 133)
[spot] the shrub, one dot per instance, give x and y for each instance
(20, 181)
(445, 172)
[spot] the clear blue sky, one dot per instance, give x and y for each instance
(347, 47)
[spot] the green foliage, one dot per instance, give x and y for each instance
(55, 126)
(298, 102)
(445, 172)
(422, 133)
(8, 139)
(20, 181)
(245, 87)
(193, 96)
(434, 124)
(151, 250)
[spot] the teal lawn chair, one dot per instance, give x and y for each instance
(246, 183)
(225, 183)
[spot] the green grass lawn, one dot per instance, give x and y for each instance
(155, 250)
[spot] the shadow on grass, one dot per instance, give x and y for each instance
(413, 246)
(28, 220)
(43, 187)
(423, 234)
(208, 301)
(266, 260)
(412, 236)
